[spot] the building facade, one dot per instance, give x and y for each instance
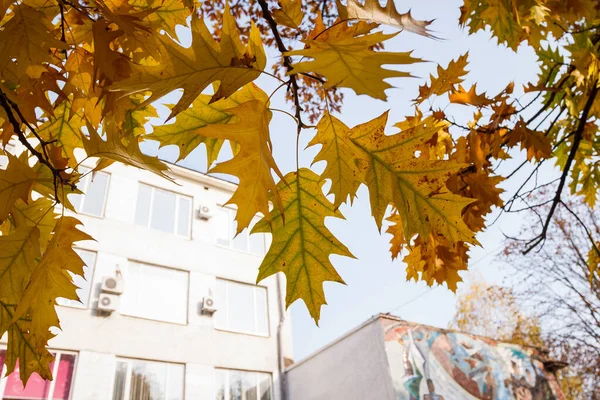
(171, 246)
(387, 358)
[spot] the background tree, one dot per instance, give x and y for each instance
(496, 312)
(493, 311)
(79, 80)
(559, 286)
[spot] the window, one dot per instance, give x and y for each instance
(155, 293)
(163, 210)
(62, 369)
(241, 307)
(225, 226)
(148, 380)
(83, 283)
(242, 385)
(94, 187)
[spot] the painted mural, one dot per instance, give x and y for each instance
(433, 364)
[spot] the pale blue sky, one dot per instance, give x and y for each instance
(374, 283)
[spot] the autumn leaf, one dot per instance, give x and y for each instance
(302, 244)
(38, 214)
(194, 69)
(346, 167)
(373, 11)
(345, 57)
(461, 96)
(64, 128)
(50, 279)
(19, 253)
(538, 146)
(397, 241)
(252, 164)
(113, 149)
(436, 260)
(290, 14)
(16, 182)
(445, 80)
(26, 43)
(184, 133)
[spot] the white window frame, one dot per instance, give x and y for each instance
(57, 354)
(223, 308)
(230, 219)
(92, 281)
(187, 303)
(129, 362)
(177, 197)
(87, 185)
(227, 386)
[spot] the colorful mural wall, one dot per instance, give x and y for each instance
(433, 364)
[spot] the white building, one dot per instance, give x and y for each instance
(160, 344)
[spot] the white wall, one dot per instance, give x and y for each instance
(99, 339)
(352, 368)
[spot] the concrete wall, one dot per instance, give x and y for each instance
(100, 339)
(352, 368)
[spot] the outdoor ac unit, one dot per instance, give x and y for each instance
(208, 305)
(111, 284)
(108, 302)
(204, 213)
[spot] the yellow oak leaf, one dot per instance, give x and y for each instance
(184, 131)
(446, 79)
(64, 129)
(113, 149)
(30, 350)
(252, 164)
(166, 15)
(290, 14)
(194, 69)
(109, 65)
(346, 167)
(538, 145)
(500, 16)
(461, 96)
(26, 44)
(39, 214)
(397, 242)
(373, 11)
(436, 261)
(343, 54)
(19, 254)
(416, 187)
(302, 244)
(50, 278)
(128, 116)
(16, 182)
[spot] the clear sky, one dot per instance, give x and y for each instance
(374, 283)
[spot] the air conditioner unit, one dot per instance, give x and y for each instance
(111, 284)
(205, 212)
(208, 305)
(108, 302)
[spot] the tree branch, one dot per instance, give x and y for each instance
(287, 61)
(8, 106)
(563, 179)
